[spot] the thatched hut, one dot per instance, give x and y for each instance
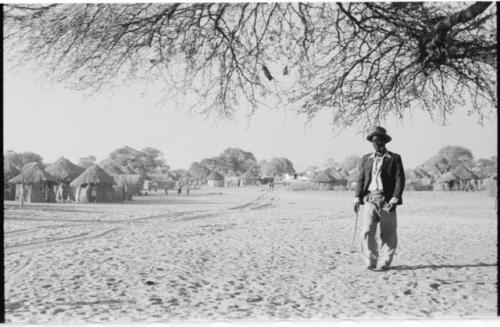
(418, 180)
(94, 185)
(467, 180)
(135, 183)
(446, 182)
(9, 189)
(330, 179)
(231, 179)
(65, 171)
(34, 184)
(121, 189)
(249, 178)
(215, 179)
(111, 167)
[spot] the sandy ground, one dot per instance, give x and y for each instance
(248, 253)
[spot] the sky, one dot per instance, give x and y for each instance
(55, 122)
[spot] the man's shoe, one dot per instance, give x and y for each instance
(371, 266)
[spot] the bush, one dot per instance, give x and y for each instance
(418, 186)
(303, 186)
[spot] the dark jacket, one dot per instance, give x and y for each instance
(392, 176)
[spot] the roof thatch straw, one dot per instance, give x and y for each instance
(110, 167)
(95, 175)
(215, 176)
(31, 164)
(447, 177)
(120, 180)
(33, 173)
(413, 175)
(64, 169)
(424, 173)
(330, 175)
(464, 173)
(249, 175)
(343, 173)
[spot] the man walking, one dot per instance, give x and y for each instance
(381, 181)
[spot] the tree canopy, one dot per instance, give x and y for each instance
(350, 162)
(19, 160)
(361, 61)
(277, 167)
(231, 159)
(148, 160)
(449, 158)
(87, 161)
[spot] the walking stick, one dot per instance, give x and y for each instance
(355, 227)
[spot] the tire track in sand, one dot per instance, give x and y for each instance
(79, 237)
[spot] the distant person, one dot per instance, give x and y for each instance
(271, 184)
(166, 189)
(178, 185)
(380, 187)
(188, 187)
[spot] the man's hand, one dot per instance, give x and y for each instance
(390, 207)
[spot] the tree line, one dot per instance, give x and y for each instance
(237, 161)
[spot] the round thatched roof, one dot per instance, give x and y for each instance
(447, 177)
(110, 167)
(330, 175)
(343, 173)
(424, 173)
(463, 172)
(31, 164)
(248, 175)
(95, 175)
(33, 173)
(413, 174)
(64, 169)
(215, 176)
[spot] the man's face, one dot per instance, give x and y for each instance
(378, 143)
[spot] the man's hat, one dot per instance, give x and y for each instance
(379, 131)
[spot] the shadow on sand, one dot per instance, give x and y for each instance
(403, 267)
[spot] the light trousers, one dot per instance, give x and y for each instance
(372, 216)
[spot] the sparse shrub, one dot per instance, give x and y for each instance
(303, 186)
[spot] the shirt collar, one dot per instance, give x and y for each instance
(386, 154)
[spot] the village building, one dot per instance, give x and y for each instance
(94, 185)
(330, 179)
(215, 179)
(249, 178)
(65, 171)
(231, 179)
(34, 184)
